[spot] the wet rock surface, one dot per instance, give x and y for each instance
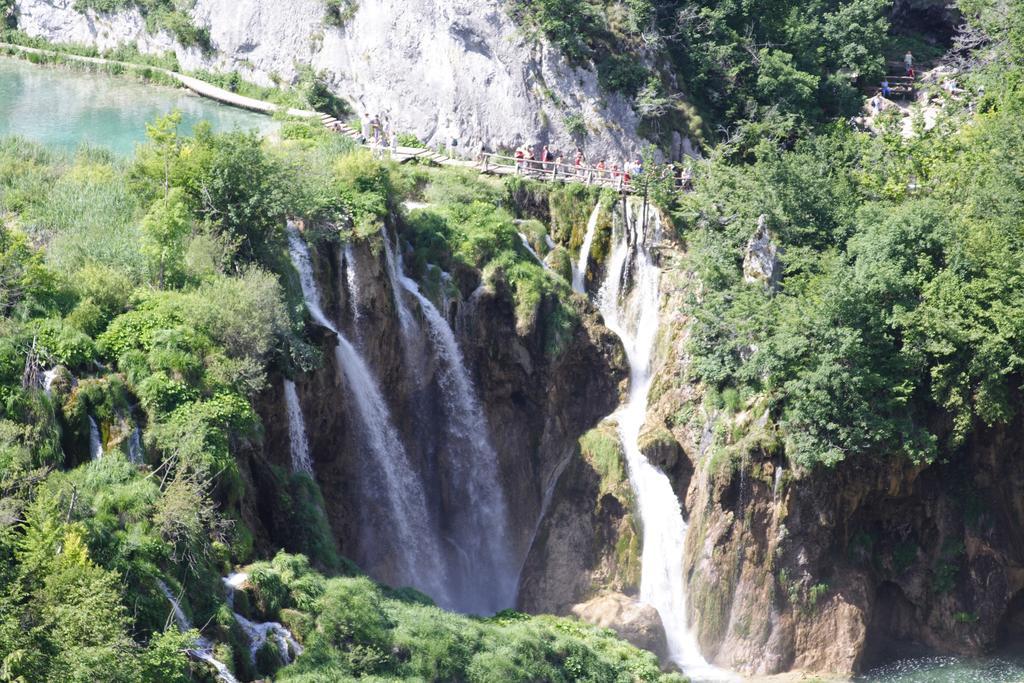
(635, 622)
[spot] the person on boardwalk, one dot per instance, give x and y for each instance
(600, 170)
(908, 61)
(886, 90)
(367, 129)
(545, 158)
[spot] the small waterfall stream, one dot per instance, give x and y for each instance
(414, 544)
(203, 650)
(533, 252)
(629, 299)
(259, 633)
(48, 377)
(298, 443)
(135, 454)
(579, 273)
(95, 442)
(352, 282)
(486, 575)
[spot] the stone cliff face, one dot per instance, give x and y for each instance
(439, 68)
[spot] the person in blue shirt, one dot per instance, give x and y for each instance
(886, 91)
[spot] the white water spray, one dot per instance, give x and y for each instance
(298, 443)
(415, 543)
(579, 273)
(352, 282)
(533, 252)
(487, 579)
(135, 446)
(95, 442)
(48, 377)
(259, 633)
(404, 315)
(629, 300)
(204, 648)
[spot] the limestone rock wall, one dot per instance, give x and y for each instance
(439, 68)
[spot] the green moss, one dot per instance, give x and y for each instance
(571, 205)
(601, 447)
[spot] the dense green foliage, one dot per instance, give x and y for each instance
(772, 65)
(352, 628)
(896, 328)
(160, 289)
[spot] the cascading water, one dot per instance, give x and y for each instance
(352, 281)
(533, 252)
(404, 315)
(579, 273)
(48, 377)
(203, 650)
(415, 546)
(259, 633)
(298, 444)
(95, 442)
(479, 530)
(629, 300)
(135, 447)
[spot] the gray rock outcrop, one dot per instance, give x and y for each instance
(761, 261)
(635, 622)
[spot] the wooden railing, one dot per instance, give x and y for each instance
(553, 170)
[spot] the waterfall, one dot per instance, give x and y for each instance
(487, 578)
(48, 378)
(352, 282)
(204, 648)
(404, 316)
(414, 540)
(259, 633)
(95, 442)
(777, 486)
(298, 443)
(135, 446)
(533, 252)
(579, 273)
(629, 300)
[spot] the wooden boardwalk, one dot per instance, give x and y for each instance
(490, 164)
(487, 163)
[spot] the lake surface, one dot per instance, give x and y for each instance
(947, 670)
(65, 108)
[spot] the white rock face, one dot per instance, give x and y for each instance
(441, 69)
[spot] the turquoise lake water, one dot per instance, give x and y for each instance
(64, 108)
(948, 670)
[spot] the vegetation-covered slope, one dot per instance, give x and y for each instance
(896, 326)
(160, 290)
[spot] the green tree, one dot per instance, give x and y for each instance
(165, 229)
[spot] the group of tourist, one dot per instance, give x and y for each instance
(554, 163)
(885, 90)
(379, 132)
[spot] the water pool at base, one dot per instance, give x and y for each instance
(64, 108)
(948, 670)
